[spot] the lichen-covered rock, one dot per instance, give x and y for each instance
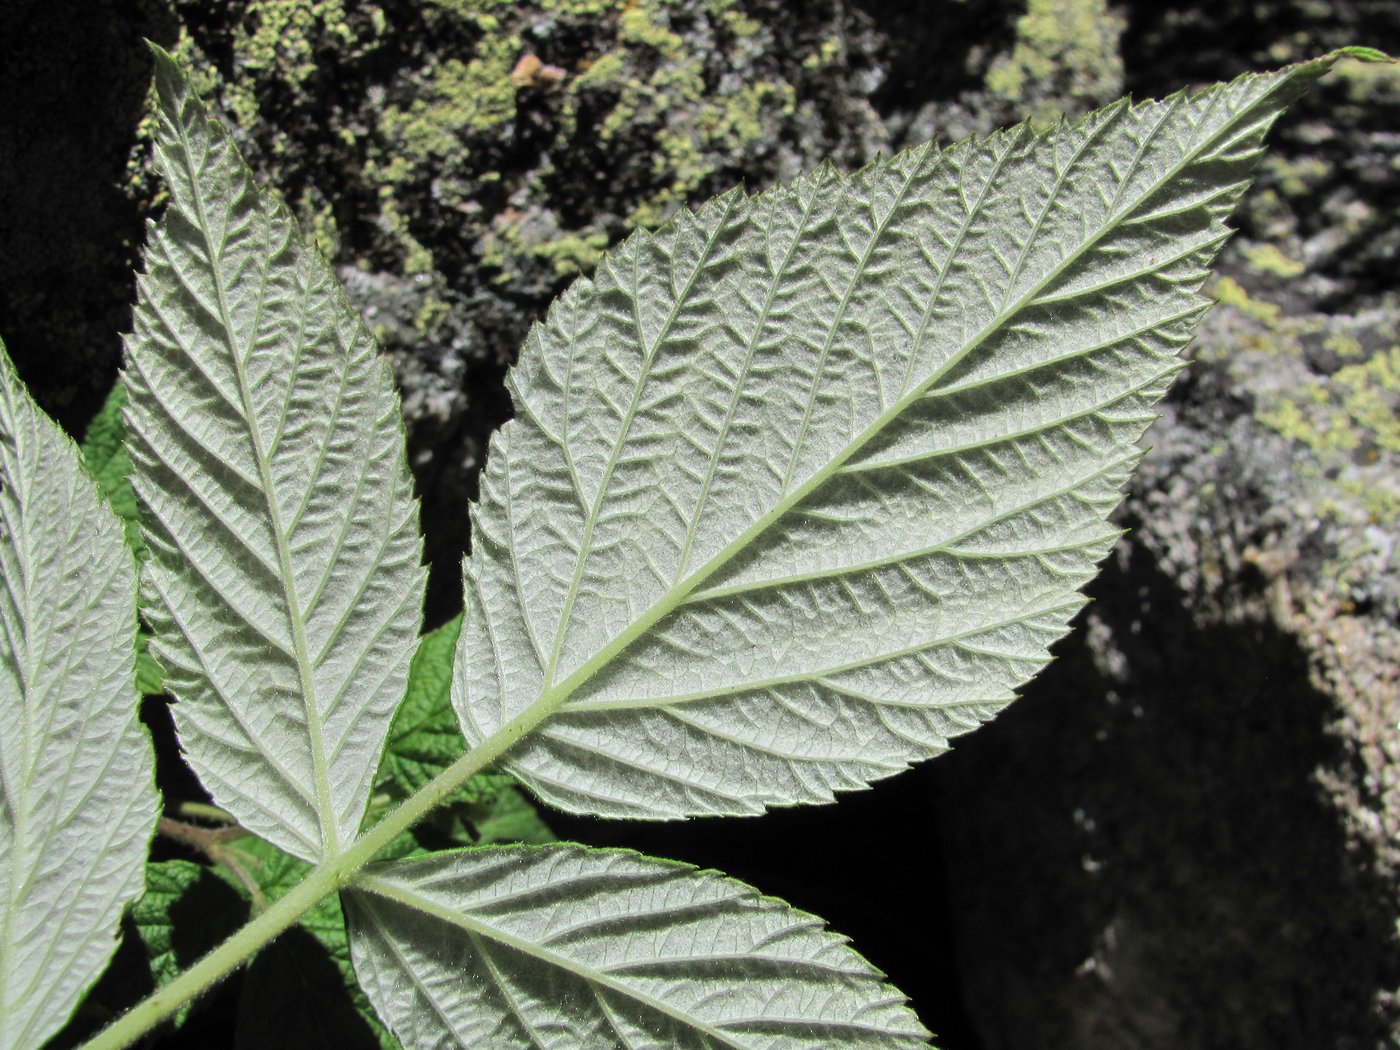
(1327, 192)
(1065, 59)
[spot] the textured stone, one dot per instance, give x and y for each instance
(1186, 834)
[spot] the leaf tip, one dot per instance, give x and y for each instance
(169, 76)
(1363, 54)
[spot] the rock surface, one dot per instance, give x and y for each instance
(1185, 836)
(1204, 788)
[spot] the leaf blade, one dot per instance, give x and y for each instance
(731, 587)
(78, 803)
(285, 584)
(573, 946)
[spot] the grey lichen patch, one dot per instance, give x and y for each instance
(1328, 389)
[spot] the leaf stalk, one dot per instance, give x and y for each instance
(326, 878)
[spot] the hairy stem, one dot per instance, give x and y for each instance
(322, 881)
(204, 811)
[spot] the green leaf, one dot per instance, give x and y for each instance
(1365, 54)
(174, 887)
(150, 679)
(104, 452)
(284, 583)
(425, 739)
(565, 946)
(184, 913)
(807, 483)
(77, 794)
(506, 816)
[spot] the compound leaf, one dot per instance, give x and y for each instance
(284, 585)
(565, 946)
(808, 482)
(77, 796)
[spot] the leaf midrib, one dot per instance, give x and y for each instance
(330, 834)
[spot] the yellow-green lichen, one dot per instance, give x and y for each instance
(1380, 503)
(1229, 292)
(1296, 176)
(282, 35)
(318, 223)
(740, 119)
(641, 24)
(417, 258)
(1267, 258)
(1065, 59)
(731, 15)
(828, 52)
(1371, 398)
(567, 255)
(691, 130)
(608, 70)
(460, 98)
(1356, 411)
(1312, 425)
(417, 261)
(287, 41)
(1345, 346)
(474, 10)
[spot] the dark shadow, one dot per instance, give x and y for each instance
(206, 913)
(74, 77)
(937, 51)
(295, 998)
(1140, 853)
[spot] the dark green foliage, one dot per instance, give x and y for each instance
(104, 451)
(186, 911)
